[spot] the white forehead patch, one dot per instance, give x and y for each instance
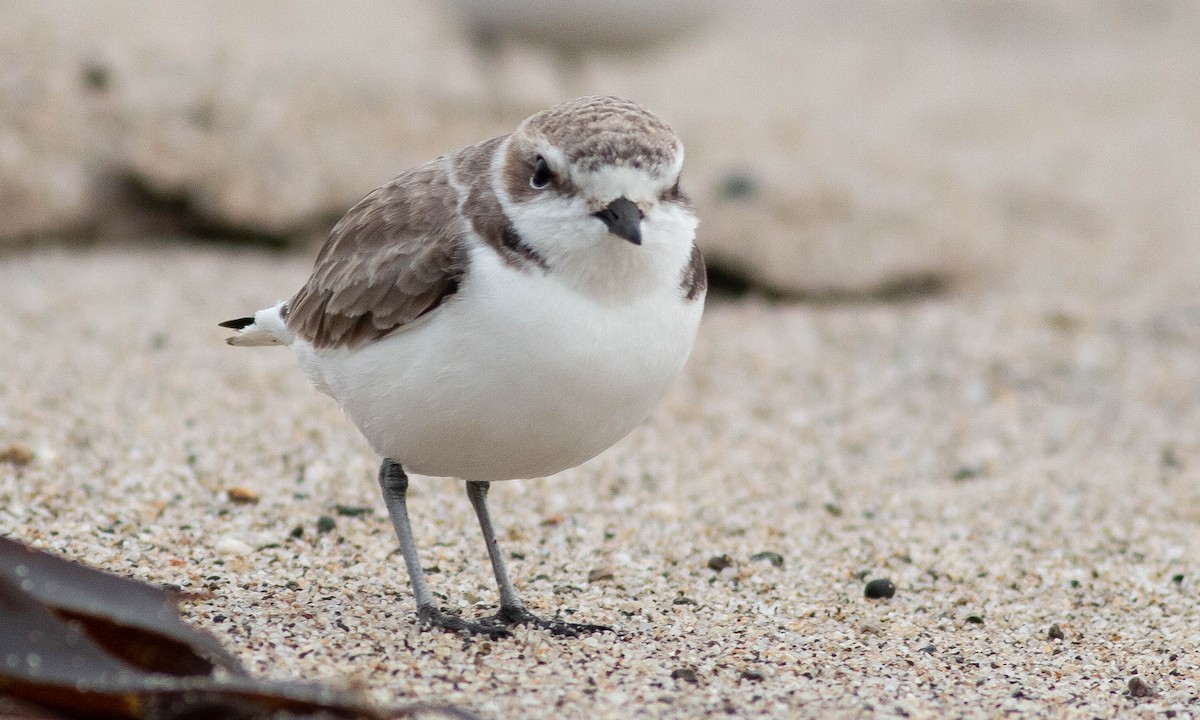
(609, 182)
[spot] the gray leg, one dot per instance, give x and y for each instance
(477, 492)
(394, 484)
(512, 611)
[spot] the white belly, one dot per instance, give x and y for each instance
(516, 376)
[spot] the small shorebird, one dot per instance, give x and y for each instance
(508, 310)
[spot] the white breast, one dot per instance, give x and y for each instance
(518, 375)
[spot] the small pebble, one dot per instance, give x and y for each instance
(242, 495)
(351, 510)
(738, 186)
(753, 676)
(685, 674)
(879, 588)
(553, 520)
(326, 524)
(772, 557)
(719, 562)
(17, 454)
(96, 76)
(974, 619)
(968, 472)
(232, 546)
(1056, 633)
(1138, 688)
(297, 532)
(1170, 458)
(600, 573)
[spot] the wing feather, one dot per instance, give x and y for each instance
(395, 256)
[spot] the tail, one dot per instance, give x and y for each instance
(267, 327)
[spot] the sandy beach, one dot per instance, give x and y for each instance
(1022, 466)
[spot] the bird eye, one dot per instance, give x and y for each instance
(541, 174)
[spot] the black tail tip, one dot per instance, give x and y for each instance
(237, 324)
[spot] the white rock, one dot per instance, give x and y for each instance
(232, 547)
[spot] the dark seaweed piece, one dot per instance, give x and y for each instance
(138, 623)
(53, 660)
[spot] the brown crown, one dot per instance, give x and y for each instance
(597, 131)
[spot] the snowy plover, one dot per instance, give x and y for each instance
(509, 310)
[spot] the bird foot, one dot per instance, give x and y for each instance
(520, 616)
(497, 626)
(431, 616)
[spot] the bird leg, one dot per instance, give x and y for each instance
(512, 610)
(394, 484)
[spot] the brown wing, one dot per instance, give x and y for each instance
(395, 256)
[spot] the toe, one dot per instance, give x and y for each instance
(430, 616)
(521, 616)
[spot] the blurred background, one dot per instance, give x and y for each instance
(835, 149)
